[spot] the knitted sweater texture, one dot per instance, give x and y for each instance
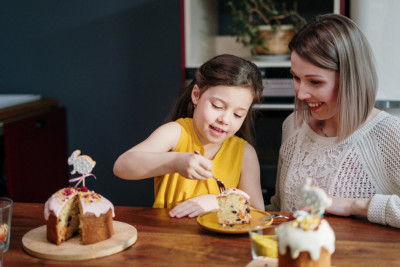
(364, 165)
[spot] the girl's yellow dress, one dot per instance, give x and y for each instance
(171, 189)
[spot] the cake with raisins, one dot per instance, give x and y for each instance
(234, 207)
(72, 211)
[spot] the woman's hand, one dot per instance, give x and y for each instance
(193, 166)
(195, 206)
(349, 206)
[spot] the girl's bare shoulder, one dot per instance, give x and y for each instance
(169, 129)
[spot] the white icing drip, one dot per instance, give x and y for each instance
(234, 191)
(95, 204)
(299, 240)
(98, 206)
(57, 201)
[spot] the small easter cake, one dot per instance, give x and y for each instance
(234, 207)
(73, 210)
(307, 240)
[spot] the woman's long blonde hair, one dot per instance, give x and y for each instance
(335, 42)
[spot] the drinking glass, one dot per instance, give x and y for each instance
(1, 253)
(6, 205)
(264, 241)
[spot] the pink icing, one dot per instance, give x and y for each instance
(90, 201)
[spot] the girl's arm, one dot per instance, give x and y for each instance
(195, 206)
(154, 157)
(249, 183)
(250, 177)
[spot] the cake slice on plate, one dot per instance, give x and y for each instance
(234, 207)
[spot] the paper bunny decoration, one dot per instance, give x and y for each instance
(314, 197)
(82, 165)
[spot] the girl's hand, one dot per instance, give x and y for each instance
(349, 206)
(195, 206)
(193, 166)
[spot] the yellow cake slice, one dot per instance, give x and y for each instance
(234, 207)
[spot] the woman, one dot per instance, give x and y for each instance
(335, 135)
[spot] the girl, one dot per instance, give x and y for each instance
(214, 107)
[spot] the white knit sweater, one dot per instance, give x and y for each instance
(364, 165)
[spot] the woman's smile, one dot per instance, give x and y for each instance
(313, 106)
(317, 87)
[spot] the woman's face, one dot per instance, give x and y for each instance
(220, 112)
(317, 87)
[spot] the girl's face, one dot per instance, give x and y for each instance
(317, 87)
(220, 112)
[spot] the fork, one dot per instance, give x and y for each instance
(274, 216)
(221, 185)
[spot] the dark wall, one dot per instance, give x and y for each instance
(115, 66)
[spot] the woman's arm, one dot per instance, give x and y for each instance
(349, 206)
(385, 209)
(381, 209)
(287, 129)
(250, 177)
(383, 162)
(154, 157)
(276, 199)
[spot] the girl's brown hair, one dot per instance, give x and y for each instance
(223, 70)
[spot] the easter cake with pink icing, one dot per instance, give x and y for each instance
(73, 210)
(234, 207)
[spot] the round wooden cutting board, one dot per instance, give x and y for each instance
(35, 243)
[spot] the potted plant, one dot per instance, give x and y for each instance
(266, 26)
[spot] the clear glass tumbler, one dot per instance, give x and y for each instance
(6, 206)
(264, 242)
(1, 253)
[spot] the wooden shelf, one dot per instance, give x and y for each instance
(202, 41)
(27, 108)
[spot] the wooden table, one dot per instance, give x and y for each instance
(165, 241)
